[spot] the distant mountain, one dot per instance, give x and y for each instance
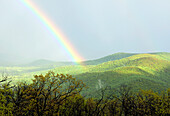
(49, 63)
(132, 60)
(120, 55)
(112, 57)
(12, 60)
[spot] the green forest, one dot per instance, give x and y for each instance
(121, 84)
(58, 94)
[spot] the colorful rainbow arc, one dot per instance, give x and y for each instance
(56, 32)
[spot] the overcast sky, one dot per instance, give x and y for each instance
(96, 28)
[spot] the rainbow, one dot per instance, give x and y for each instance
(56, 32)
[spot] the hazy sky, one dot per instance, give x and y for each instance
(96, 28)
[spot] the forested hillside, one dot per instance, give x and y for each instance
(146, 71)
(112, 57)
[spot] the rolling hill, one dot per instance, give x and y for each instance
(112, 57)
(146, 71)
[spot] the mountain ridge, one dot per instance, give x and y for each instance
(8, 60)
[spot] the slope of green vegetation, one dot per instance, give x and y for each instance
(140, 71)
(134, 76)
(146, 71)
(112, 57)
(163, 55)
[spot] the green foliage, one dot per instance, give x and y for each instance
(146, 71)
(45, 93)
(58, 94)
(5, 97)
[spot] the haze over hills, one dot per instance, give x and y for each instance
(13, 60)
(43, 62)
(146, 71)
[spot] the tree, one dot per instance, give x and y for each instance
(46, 94)
(5, 96)
(127, 100)
(152, 103)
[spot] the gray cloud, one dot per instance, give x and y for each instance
(95, 27)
